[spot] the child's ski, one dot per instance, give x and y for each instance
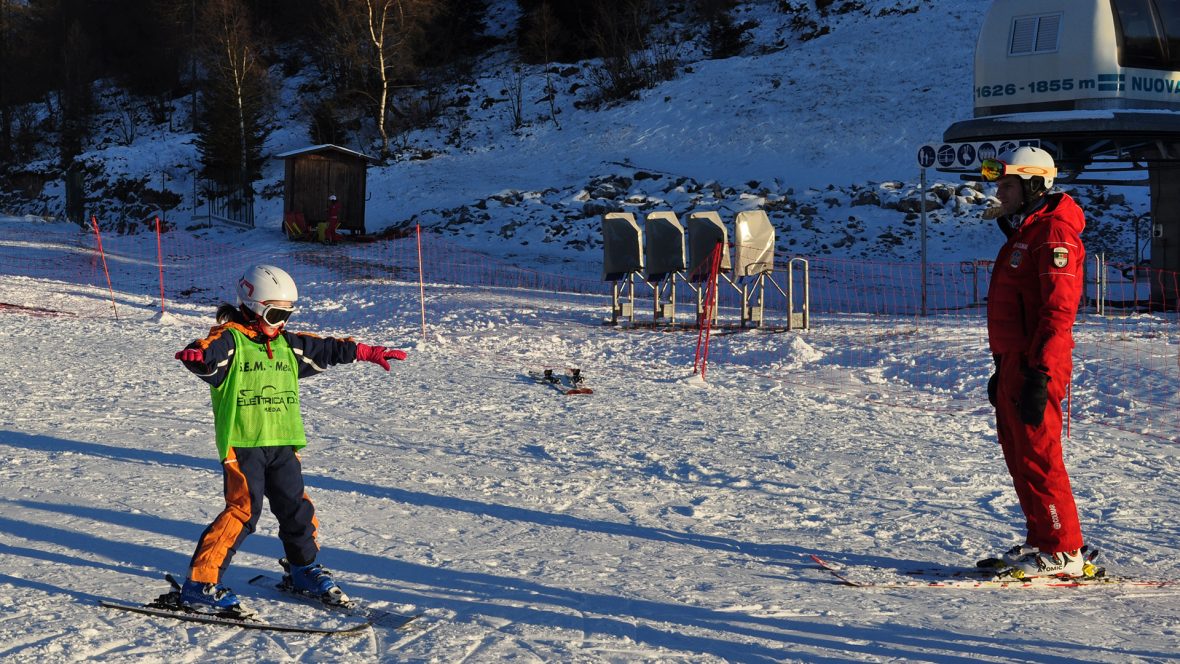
(169, 605)
(352, 608)
(245, 623)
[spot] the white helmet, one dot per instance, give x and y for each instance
(1027, 163)
(265, 283)
(332, 197)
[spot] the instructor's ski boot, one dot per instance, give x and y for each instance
(1006, 559)
(1068, 564)
(1017, 553)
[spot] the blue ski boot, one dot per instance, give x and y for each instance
(315, 580)
(210, 598)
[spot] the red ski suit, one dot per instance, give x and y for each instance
(1032, 303)
(330, 234)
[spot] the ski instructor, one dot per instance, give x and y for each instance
(1032, 303)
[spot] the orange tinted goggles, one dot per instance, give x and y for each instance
(994, 169)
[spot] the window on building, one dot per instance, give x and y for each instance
(1035, 34)
(1168, 12)
(1149, 33)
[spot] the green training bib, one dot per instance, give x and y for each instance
(258, 403)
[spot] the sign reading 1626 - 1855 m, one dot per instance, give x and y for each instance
(1101, 83)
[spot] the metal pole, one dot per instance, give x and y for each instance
(631, 297)
(1100, 284)
(923, 242)
(421, 282)
(1137, 239)
(975, 282)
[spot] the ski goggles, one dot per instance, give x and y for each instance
(274, 315)
(994, 169)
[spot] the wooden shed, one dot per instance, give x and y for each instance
(314, 173)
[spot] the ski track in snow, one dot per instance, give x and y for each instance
(659, 519)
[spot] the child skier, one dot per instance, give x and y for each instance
(252, 365)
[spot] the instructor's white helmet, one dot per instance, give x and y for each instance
(265, 283)
(1028, 163)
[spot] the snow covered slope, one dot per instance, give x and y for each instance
(659, 519)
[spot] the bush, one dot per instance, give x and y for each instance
(623, 76)
(580, 30)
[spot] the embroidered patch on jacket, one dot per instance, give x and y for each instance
(1060, 256)
(1015, 258)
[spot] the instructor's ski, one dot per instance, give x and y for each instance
(867, 576)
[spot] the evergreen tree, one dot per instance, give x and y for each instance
(725, 38)
(76, 95)
(455, 33)
(145, 43)
(235, 97)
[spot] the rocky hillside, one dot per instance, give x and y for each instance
(815, 120)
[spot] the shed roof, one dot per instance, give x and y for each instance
(326, 147)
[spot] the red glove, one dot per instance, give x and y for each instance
(191, 355)
(378, 355)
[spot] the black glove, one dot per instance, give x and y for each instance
(993, 387)
(1033, 397)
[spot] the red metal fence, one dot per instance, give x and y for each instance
(879, 317)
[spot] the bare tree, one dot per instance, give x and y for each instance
(513, 80)
(391, 30)
(125, 126)
(546, 32)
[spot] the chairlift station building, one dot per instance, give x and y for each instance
(1098, 83)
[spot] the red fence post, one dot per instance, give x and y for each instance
(160, 262)
(102, 254)
(705, 326)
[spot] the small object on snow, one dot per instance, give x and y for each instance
(577, 382)
(570, 382)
